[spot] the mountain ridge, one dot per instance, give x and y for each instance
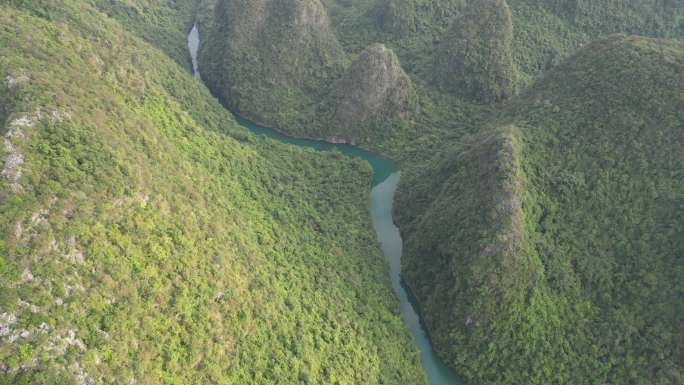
(586, 261)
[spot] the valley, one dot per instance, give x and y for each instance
(151, 232)
(384, 185)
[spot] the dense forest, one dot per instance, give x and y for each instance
(540, 190)
(549, 246)
(263, 70)
(147, 238)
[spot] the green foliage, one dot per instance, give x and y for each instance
(154, 240)
(162, 23)
(270, 60)
(530, 300)
(397, 17)
(643, 17)
(549, 251)
(543, 235)
(262, 77)
(476, 59)
(549, 31)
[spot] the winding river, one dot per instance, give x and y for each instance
(384, 185)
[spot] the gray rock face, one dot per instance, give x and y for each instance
(11, 169)
(374, 87)
(11, 82)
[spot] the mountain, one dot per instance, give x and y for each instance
(461, 57)
(270, 60)
(147, 238)
(375, 87)
(547, 247)
(476, 58)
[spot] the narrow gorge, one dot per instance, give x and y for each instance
(384, 186)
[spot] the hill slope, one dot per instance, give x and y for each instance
(374, 88)
(475, 59)
(270, 60)
(547, 249)
(146, 238)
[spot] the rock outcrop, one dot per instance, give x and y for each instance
(476, 59)
(375, 87)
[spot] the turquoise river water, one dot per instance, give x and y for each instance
(385, 182)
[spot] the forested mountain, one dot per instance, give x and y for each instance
(271, 60)
(548, 247)
(476, 59)
(541, 233)
(460, 55)
(147, 238)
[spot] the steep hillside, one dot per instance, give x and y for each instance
(374, 88)
(163, 23)
(476, 58)
(146, 238)
(403, 18)
(397, 17)
(252, 59)
(270, 60)
(657, 17)
(549, 31)
(547, 249)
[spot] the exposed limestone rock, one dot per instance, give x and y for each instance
(10, 170)
(500, 179)
(374, 87)
(31, 307)
(12, 82)
(74, 255)
(6, 322)
(490, 166)
(26, 276)
(14, 159)
(51, 340)
(402, 18)
(71, 340)
(18, 230)
(39, 217)
(23, 121)
(82, 377)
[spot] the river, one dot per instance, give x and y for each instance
(384, 186)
